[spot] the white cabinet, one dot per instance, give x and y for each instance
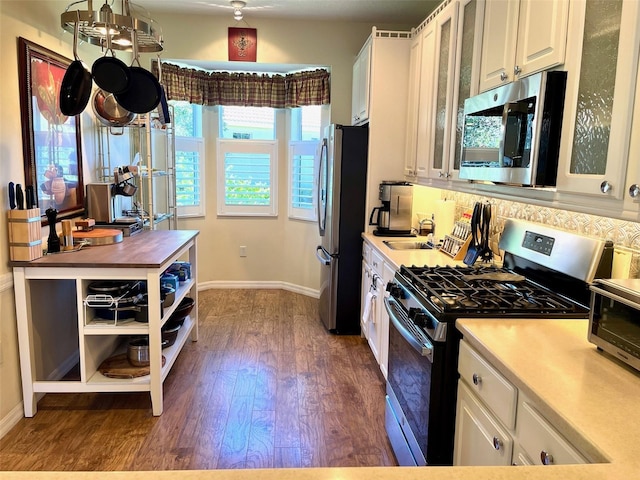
(444, 71)
(376, 273)
(388, 87)
(360, 86)
(602, 60)
(540, 441)
(467, 73)
(446, 27)
(521, 38)
(497, 425)
(483, 440)
(412, 168)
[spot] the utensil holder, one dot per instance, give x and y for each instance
(25, 235)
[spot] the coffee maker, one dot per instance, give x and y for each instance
(393, 218)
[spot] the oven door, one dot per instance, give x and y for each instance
(409, 389)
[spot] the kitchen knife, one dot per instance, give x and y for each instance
(12, 196)
(31, 196)
(19, 197)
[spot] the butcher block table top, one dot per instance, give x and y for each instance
(147, 249)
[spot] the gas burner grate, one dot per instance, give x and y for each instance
(485, 290)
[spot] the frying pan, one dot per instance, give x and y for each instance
(108, 111)
(75, 89)
(110, 73)
(144, 92)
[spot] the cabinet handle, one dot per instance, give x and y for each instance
(546, 458)
(503, 76)
(517, 70)
(497, 443)
(605, 187)
(477, 379)
(634, 190)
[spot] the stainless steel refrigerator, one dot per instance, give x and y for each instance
(342, 184)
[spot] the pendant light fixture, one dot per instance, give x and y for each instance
(93, 26)
(238, 5)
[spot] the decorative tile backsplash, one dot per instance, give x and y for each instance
(624, 234)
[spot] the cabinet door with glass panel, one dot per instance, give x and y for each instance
(467, 72)
(446, 24)
(602, 61)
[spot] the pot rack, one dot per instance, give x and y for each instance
(93, 27)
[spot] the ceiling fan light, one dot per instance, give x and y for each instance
(237, 15)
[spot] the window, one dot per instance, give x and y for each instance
(189, 166)
(247, 177)
(303, 154)
(247, 161)
(247, 123)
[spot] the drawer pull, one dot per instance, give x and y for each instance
(497, 443)
(546, 458)
(477, 379)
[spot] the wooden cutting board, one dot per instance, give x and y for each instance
(99, 236)
(119, 366)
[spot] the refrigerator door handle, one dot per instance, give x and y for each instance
(323, 255)
(322, 188)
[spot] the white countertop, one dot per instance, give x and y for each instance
(418, 257)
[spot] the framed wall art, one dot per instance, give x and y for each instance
(243, 44)
(51, 141)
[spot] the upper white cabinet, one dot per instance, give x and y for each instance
(466, 75)
(446, 27)
(387, 111)
(424, 114)
(360, 89)
(411, 167)
(602, 60)
(520, 38)
(444, 72)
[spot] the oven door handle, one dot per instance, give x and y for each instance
(423, 347)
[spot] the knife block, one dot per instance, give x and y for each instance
(25, 236)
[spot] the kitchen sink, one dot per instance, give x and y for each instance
(407, 245)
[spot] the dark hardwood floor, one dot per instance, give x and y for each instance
(265, 386)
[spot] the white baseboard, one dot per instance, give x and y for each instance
(11, 419)
(309, 292)
(6, 281)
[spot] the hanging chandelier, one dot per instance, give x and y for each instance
(94, 26)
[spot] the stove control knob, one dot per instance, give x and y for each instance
(394, 290)
(419, 318)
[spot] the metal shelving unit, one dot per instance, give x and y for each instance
(152, 150)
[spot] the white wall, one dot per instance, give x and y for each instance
(278, 249)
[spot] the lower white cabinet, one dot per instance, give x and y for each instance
(498, 425)
(376, 273)
(540, 441)
(483, 440)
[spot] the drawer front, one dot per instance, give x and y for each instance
(366, 252)
(541, 442)
(488, 384)
(377, 262)
(480, 439)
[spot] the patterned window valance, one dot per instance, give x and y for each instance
(245, 89)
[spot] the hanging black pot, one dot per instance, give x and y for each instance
(75, 89)
(144, 92)
(110, 73)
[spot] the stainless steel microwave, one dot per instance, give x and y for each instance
(511, 134)
(614, 319)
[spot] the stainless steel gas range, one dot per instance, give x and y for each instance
(545, 274)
